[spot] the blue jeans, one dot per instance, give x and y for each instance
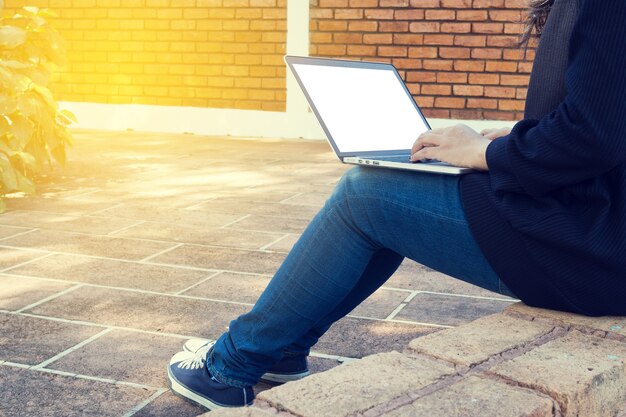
(372, 221)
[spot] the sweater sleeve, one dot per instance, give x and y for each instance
(586, 135)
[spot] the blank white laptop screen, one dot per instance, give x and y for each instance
(364, 109)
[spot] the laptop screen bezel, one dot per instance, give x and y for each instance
(291, 59)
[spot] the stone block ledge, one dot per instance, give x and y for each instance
(522, 362)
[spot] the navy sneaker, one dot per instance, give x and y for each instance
(289, 368)
(189, 378)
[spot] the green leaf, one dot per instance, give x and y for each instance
(25, 184)
(46, 94)
(9, 177)
(31, 9)
(59, 154)
(47, 13)
(69, 115)
(14, 64)
(11, 37)
(8, 104)
(22, 130)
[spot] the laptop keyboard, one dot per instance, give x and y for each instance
(393, 158)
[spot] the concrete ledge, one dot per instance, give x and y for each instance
(523, 362)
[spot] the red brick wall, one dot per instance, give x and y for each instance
(203, 53)
(459, 58)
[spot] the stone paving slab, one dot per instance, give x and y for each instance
(476, 342)
(10, 257)
(202, 236)
(64, 222)
(475, 397)
(259, 262)
(584, 374)
(355, 387)
(123, 356)
(380, 304)
(31, 340)
(169, 405)
(87, 244)
(447, 309)
(30, 393)
(611, 327)
(357, 337)
(244, 288)
(55, 205)
(158, 313)
(413, 276)
(112, 273)
(6, 231)
(168, 215)
(19, 292)
(270, 223)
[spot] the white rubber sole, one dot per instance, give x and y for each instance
(183, 392)
(282, 378)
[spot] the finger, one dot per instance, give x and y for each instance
(423, 154)
(425, 139)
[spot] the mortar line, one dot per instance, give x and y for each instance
(133, 290)
(121, 229)
(80, 376)
(20, 234)
(480, 297)
(289, 198)
(200, 204)
(144, 403)
(73, 197)
(72, 349)
(401, 306)
(8, 268)
(104, 209)
(441, 326)
(479, 369)
(159, 253)
(235, 221)
(202, 281)
(52, 297)
(274, 242)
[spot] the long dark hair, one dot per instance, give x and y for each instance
(535, 21)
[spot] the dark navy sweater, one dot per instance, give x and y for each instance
(550, 215)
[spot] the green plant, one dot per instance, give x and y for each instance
(33, 131)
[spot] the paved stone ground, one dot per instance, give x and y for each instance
(145, 240)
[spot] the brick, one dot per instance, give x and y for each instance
(363, 26)
(421, 76)
(471, 15)
(240, 412)
(487, 27)
(511, 105)
(499, 115)
(440, 15)
(489, 4)
(456, 27)
(456, 4)
(586, 375)
(393, 26)
(380, 14)
(407, 63)
(450, 102)
(482, 103)
(501, 66)
(514, 80)
(400, 51)
(484, 79)
(363, 3)
(438, 39)
(425, 102)
(454, 52)
(410, 14)
(452, 77)
(468, 90)
(437, 89)
(394, 3)
(469, 65)
(475, 342)
(396, 374)
(424, 27)
(475, 396)
(331, 50)
(525, 67)
(408, 39)
(330, 25)
(436, 113)
(422, 52)
(502, 41)
(486, 53)
(377, 39)
(429, 4)
(348, 13)
(470, 40)
(609, 326)
(361, 50)
(438, 64)
(500, 92)
(347, 37)
(513, 54)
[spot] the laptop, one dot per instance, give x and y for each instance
(366, 111)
